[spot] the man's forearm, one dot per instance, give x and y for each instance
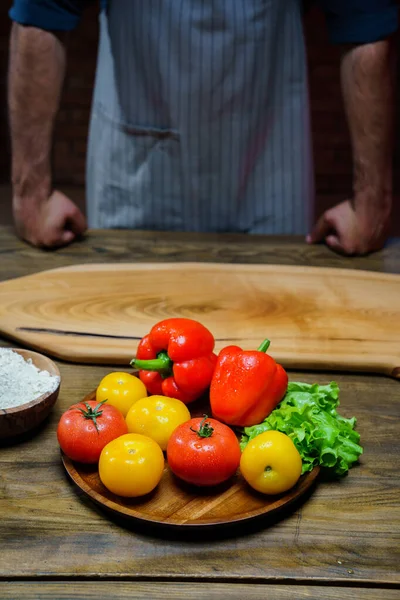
(368, 90)
(36, 74)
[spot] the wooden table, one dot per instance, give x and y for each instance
(342, 542)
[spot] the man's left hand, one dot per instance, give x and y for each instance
(352, 231)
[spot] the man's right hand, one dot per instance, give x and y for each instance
(37, 61)
(50, 223)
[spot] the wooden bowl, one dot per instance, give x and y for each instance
(21, 419)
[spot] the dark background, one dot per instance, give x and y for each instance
(332, 153)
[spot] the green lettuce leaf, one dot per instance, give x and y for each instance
(308, 415)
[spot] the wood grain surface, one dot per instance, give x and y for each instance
(315, 317)
(340, 542)
(118, 590)
(48, 530)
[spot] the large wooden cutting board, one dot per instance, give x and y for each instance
(317, 318)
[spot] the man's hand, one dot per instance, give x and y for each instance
(52, 223)
(36, 73)
(350, 230)
(361, 225)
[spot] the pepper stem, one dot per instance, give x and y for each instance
(264, 346)
(161, 364)
(205, 430)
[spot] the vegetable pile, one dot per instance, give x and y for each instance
(286, 428)
(308, 415)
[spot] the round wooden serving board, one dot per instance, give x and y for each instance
(176, 504)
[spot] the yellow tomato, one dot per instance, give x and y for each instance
(121, 390)
(157, 417)
(271, 463)
(131, 465)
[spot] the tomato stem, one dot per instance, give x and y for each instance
(92, 413)
(205, 430)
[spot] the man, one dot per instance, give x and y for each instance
(200, 118)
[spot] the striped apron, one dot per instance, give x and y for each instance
(200, 118)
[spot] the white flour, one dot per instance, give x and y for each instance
(21, 381)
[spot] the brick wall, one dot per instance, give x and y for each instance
(331, 142)
(4, 154)
(73, 119)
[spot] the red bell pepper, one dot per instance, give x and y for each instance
(246, 385)
(176, 359)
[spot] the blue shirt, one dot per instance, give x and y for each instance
(348, 21)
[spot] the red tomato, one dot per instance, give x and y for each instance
(203, 452)
(85, 428)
